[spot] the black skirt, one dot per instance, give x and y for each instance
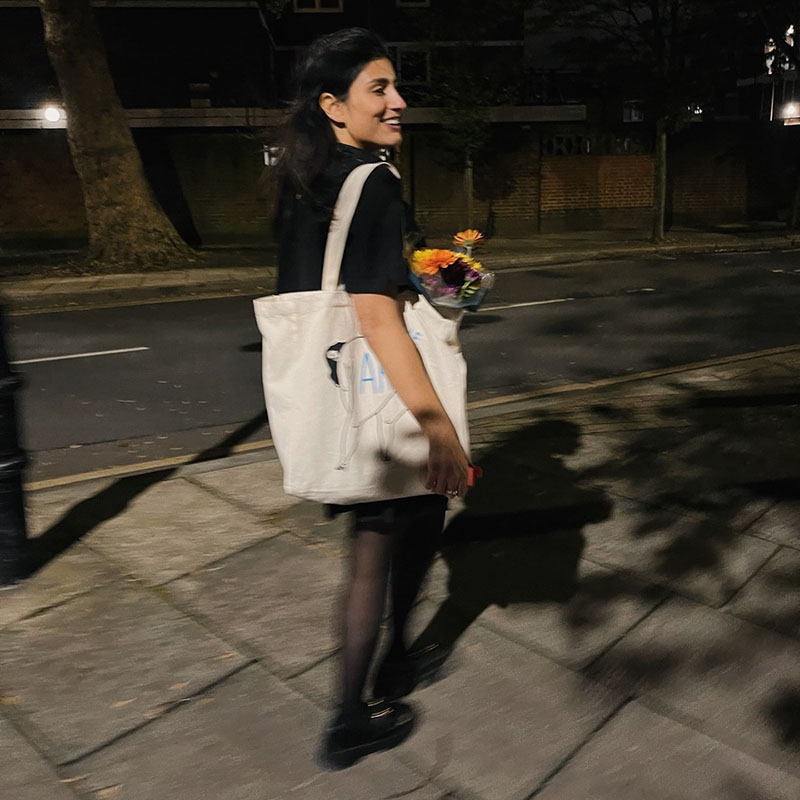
(385, 515)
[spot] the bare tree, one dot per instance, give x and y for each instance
(127, 227)
(466, 84)
(662, 50)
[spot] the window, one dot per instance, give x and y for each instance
(633, 111)
(272, 154)
(413, 66)
(413, 3)
(311, 6)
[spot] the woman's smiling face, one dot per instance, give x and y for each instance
(369, 117)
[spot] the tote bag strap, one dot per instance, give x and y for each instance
(346, 203)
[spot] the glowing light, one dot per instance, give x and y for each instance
(791, 110)
(52, 114)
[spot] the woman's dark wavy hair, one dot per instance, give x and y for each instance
(331, 64)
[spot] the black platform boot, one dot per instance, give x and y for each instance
(374, 726)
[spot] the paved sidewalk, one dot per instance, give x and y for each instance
(622, 590)
(35, 281)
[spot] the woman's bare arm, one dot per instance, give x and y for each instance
(381, 321)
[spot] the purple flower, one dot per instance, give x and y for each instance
(453, 275)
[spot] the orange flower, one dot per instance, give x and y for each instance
(468, 238)
(429, 262)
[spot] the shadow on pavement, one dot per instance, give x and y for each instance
(785, 714)
(111, 501)
(520, 537)
(716, 489)
(696, 493)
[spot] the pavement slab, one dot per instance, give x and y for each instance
(640, 754)
(772, 597)
(704, 442)
(249, 738)
(172, 528)
(573, 626)
(497, 719)
(26, 775)
(320, 684)
(732, 680)
(594, 450)
(256, 487)
(46, 507)
(277, 599)
(75, 572)
(780, 524)
(82, 673)
(700, 558)
(504, 719)
(307, 522)
(694, 470)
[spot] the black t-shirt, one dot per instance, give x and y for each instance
(373, 261)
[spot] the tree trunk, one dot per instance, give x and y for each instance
(660, 190)
(794, 219)
(469, 190)
(127, 227)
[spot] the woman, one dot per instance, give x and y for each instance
(348, 108)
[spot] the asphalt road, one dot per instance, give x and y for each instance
(185, 375)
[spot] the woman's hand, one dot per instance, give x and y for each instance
(448, 464)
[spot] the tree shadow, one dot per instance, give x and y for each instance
(519, 539)
(785, 715)
(717, 462)
(712, 482)
(85, 516)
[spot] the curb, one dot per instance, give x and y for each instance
(477, 411)
(38, 295)
(578, 256)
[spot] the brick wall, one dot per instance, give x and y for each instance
(596, 182)
(216, 189)
(41, 196)
(506, 186)
(214, 186)
(509, 181)
(438, 188)
(587, 192)
(226, 186)
(707, 177)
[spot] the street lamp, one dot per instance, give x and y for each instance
(52, 114)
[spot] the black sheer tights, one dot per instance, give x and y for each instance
(403, 548)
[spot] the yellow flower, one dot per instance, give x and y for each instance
(428, 262)
(468, 238)
(471, 262)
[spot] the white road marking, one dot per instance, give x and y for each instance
(80, 355)
(558, 300)
(532, 303)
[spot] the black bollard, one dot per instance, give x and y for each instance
(13, 539)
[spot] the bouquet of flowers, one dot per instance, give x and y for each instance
(453, 278)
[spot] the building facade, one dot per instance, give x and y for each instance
(206, 85)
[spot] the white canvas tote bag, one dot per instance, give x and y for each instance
(341, 432)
